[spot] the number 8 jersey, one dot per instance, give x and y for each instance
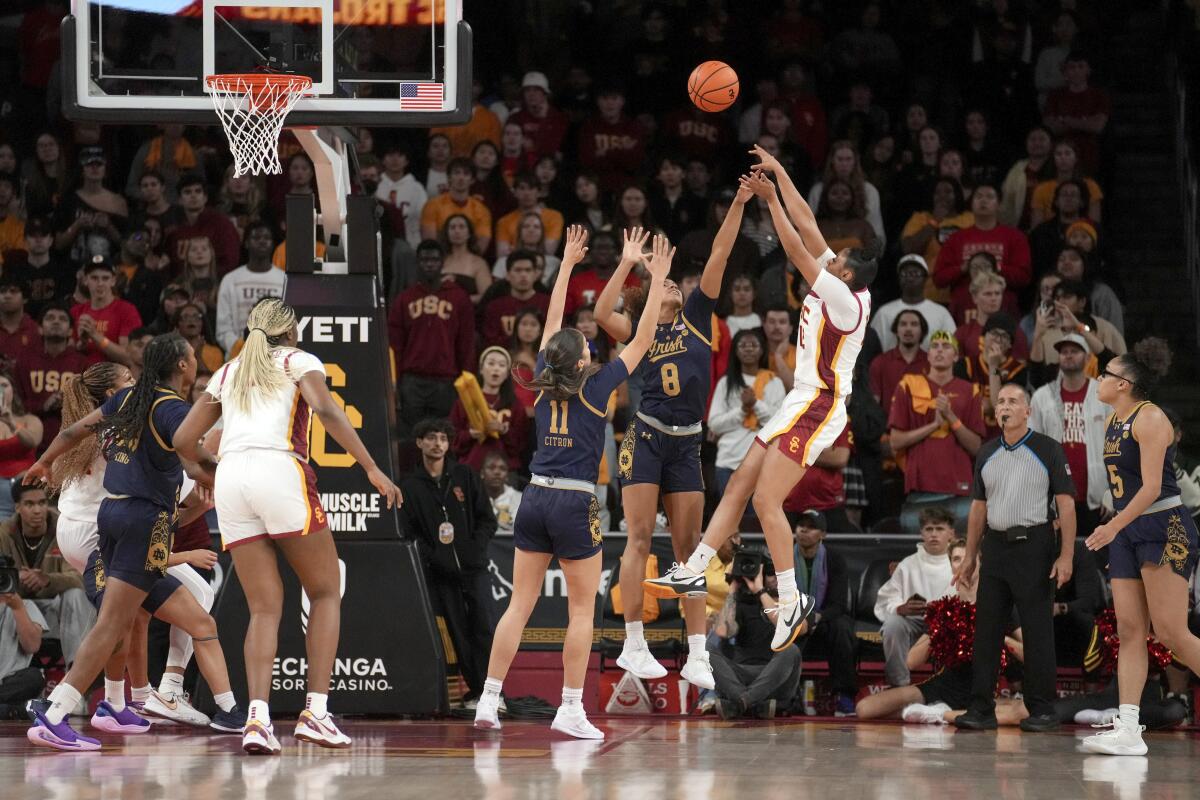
(676, 373)
(570, 432)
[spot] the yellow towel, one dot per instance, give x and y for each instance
(475, 404)
(760, 384)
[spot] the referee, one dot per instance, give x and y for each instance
(1017, 476)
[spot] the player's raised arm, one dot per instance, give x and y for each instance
(575, 251)
(718, 259)
(614, 323)
(659, 265)
(793, 245)
(798, 209)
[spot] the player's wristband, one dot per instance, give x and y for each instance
(956, 424)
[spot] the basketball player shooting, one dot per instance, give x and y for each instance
(833, 321)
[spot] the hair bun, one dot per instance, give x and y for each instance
(1154, 354)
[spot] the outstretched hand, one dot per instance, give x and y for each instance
(767, 162)
(576, 247)
(661, 256)
(759, 184)
(634, 243)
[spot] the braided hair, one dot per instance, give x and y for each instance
(269, 322)
(82, 394)
(159, 364)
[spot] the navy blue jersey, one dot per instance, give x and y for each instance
(676, 373)
(148, 468)
(570, 433)
(1123, 460)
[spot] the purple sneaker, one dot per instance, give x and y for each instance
(56, 737)
(123, 721)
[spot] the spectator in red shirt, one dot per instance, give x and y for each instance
(1078, 111)
(199, 220)
(936, 427)
(907, 358)
(103, 324)
(518, 292)
(543, 124)
(1007, 245)
(18, 332)
(40, 372)
(586, 284)
(431, 327)
(508, 427)
(611, 144)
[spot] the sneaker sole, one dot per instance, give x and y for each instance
(116, 727)
(319, 742)
(579, 734)
(179, 720)
(258, 749)
(1117, 751)
(225, 729)
(660, 592)
(54, 743)
(486, 725)
(683, 674)
(642, 675)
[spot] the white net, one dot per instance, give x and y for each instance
(252, 109)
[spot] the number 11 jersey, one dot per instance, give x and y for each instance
(570, 432)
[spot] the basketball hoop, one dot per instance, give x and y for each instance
(252, 108)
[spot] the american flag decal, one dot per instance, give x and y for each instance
(424, 96)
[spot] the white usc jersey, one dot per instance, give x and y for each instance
(272, 423)
(833, 322)
(80, 499)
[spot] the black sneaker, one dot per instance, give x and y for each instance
(976, 721)
(231, 721)
(1040, 723)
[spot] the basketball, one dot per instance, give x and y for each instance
(713, 86)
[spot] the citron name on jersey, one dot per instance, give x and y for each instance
(675, 346)
(327, 329)
(558, 441)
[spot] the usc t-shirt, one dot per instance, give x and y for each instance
(937, 463)
(118, 318)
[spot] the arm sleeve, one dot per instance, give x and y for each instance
(226, 333)
(889, 599)
(1056, 463)
(698, 311)
(978, 490)
(300, 363)
(600, 386)
(842, 306)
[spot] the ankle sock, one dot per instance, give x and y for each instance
(63, 700)
(492, 687)
(171, 682)
(787, 586)
(114, 694)
(635, 635)
(696, 645)
(316, 703)
(572, 697)
(698, 563)
(225, 701)
(258, 710)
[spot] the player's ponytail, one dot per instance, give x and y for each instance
(1146, 364)
(561, 378)
(82, 394)
(268, 323)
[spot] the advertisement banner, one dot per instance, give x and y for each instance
(341, 321)
(389, 658)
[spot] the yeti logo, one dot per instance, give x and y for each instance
(304, 605)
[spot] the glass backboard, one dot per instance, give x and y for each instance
(372, 62)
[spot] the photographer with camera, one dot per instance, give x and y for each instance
(21, 629)
(754, 679)
(28, 541)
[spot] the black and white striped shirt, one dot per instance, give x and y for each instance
(1019, 481)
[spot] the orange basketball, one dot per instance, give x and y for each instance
(713, 86)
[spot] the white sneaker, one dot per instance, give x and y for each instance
(1122, 740)
(678, 581)
(175, 707)
(698, 671)
(321, 731)
(638, 660)
(573, 721)
(1096, 716)
(487, 712)
(925, 714)
(259, 739)
(789, 621)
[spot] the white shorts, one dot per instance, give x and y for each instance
(77, 539)
(808, 422)
(262, 493)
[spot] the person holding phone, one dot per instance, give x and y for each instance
(923, 576)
